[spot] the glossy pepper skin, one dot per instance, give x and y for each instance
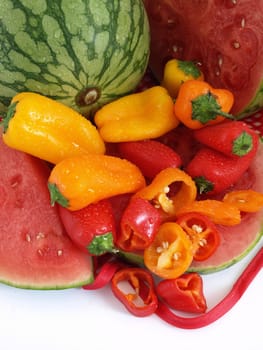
(143, 115)
(91, 228)
(139, 225)
(142, 284)
(184, 293)
(232, 138)
(214, 172)
(79, 181)
(48, 129)
(176, 72)
(199, 104)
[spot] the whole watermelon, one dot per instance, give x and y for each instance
(224, 37)
(83, 53)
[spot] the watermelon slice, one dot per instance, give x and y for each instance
(224, 37)
(35, 252)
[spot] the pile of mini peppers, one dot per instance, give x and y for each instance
(122, 189)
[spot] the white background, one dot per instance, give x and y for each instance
(77, 319)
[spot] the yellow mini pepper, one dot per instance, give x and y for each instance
(143, 115)
(176, 72)
(48, 129)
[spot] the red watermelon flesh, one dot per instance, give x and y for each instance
(224, 37)
(237, 241)
(35, 252)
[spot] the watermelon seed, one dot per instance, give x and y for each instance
(28, 237)
(60, 252)
(40, 235)
(15, 180)
(236, 45)
(40, 252)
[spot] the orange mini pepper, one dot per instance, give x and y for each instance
(176, 72)
(143, 115)
(219, 212)
(169, 190)
(199, 104)
(171, 253)
(78, 181)
(245, 200)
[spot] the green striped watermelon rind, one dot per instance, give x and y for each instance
(59, 286)
(103, 47)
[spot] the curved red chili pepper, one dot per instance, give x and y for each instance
(105, 275)
(222, 307)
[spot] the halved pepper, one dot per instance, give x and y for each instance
(202, 232)
(79, 181)
(142, 115)
(184, 293)
(199, 104)
(142, 301)
(139, 225)
(171, 253)
(176, 72)
(170, 189)
(49, 130)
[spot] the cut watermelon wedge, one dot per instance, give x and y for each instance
(35, 252)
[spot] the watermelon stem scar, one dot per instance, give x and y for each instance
(87, 96)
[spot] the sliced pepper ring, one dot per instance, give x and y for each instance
(202, 232)
(143, 300)
(171, 252)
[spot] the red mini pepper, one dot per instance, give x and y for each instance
(233, 138)
(139, 225)
(143, 300)
(151, 156)
(91, 228)
(214, 172)
(184, 293)
(202, 232)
